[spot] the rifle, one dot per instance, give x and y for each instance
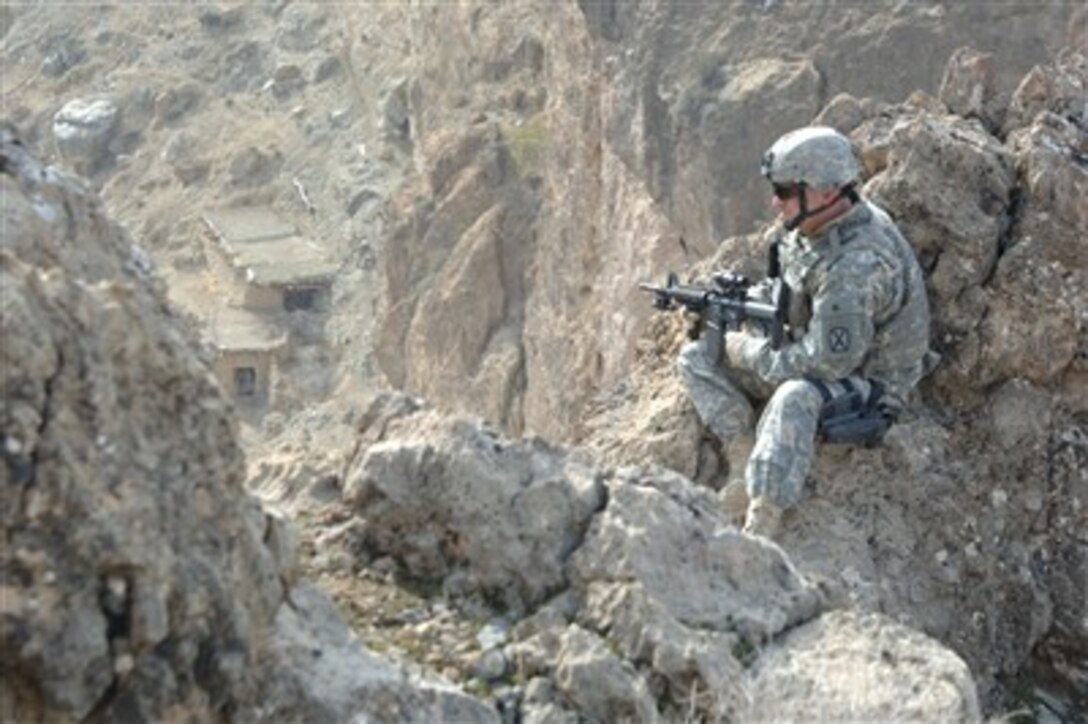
(723, 307)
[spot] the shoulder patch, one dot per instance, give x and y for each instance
(839, 339)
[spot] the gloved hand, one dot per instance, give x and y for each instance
(762, 291)
(735, 348)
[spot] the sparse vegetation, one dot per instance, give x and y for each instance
(528, 143)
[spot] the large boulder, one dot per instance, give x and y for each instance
(446, 495)
(83, 129)
(851, 667)
(948, 184)
(1057, 87)
(969, 90)
(670, 536)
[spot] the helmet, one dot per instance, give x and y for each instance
(816, 156)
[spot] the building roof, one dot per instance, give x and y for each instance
(267, 249)
(283, 262)
(248, 223)
(239, 330)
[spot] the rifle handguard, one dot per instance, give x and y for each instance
(723, 307)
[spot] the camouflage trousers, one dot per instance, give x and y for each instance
(785, 437)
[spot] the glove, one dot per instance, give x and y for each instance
(735, 346)
(762, 291)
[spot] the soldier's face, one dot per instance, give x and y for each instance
(785, 199)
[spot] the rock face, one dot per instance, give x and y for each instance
(140, 581)
(636, 599)
(469, 249)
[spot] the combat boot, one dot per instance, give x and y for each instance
(764, 518)
(733, 500)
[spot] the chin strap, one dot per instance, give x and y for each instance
(847, 192)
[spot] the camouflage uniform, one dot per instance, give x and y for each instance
(858, 312)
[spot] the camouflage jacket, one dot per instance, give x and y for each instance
(857, 305)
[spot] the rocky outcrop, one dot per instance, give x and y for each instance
(974, 533)
(634, 598)
(457, 270)
(140, 580)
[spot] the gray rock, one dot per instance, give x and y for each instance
(844, 112)
(599, 683)
(174, 104)
(930, 162)
(699, 569)
(145, 499)
(287, 80)
(182, 154)
(329, 67)
(301, 27)
(243, 68)
(218, 22)
(396, 114)
(83, 130)
(62, 52)
(253, 167)
(1059, 87)
(1045, 160)
(454, 493)
(539, 690)
(968, 88)
(1019, 413)
(846, 666)
(701, 665)
(491, 665)
(318, 671)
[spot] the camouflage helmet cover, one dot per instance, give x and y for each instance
(817, 156)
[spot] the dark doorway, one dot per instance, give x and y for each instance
(300, 299)
(245, 381)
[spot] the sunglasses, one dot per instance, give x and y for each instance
(785, 192)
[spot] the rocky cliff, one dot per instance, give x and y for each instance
(969, 522)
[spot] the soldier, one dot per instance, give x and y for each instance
(858, 331)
